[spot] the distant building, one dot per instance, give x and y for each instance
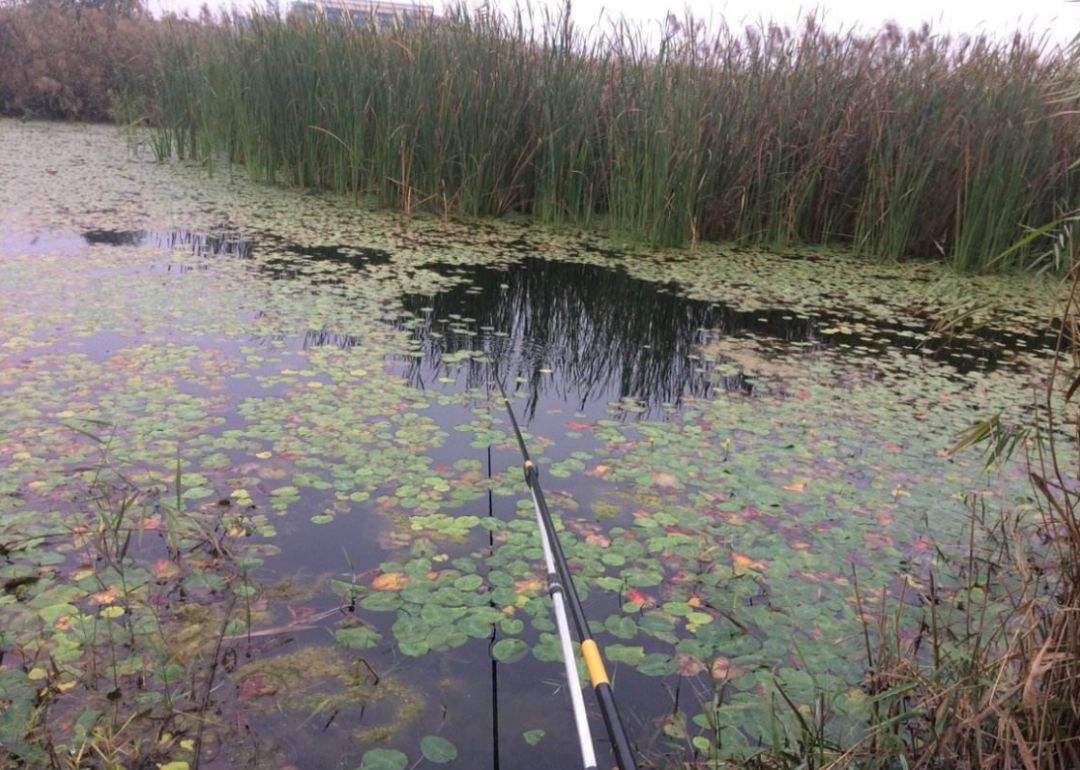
(384, 13)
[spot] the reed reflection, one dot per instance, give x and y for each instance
(579, 333)
(586, 334)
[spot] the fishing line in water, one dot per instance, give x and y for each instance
(494, 629)
(563, 595)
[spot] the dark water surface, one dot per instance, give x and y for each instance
(588, 333)
(592, 334)
(589, 348)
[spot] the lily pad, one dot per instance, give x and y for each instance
(509, 650)
(437, 749)
(384, 759)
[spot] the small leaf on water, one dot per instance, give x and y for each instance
(533, 737)
(666, 480)
(165, 570)
(468, 582)
(529, 585)
(414, 647)
(437, 749)
(689, 665)
(383, 759)
(657, 664)
(357, 637)
(512, 626)
(621, 653)
(256, 686)
(108, 596)
(696, 619)
(390, 581)
(674, 726)
(743, 563)
(621, 626)
(721, 669)
(509, 650)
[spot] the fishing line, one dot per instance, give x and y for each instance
(494, 634)
(494, 628)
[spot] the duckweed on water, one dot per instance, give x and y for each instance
(186, 429)
(317, 679)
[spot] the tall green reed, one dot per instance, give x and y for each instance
(903, 144)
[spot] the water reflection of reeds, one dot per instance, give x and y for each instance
(192, 241)
(584, 333)
(577, 332)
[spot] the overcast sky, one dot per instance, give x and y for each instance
(1059, 18)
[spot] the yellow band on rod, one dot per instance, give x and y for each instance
(594, 663)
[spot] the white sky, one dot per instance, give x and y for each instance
(1059, 18)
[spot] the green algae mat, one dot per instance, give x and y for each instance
(258, 504)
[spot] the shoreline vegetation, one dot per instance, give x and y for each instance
(897, 144)
(901, 145)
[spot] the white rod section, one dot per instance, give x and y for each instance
(588, 755)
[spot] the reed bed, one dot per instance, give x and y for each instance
(901, 144)
(71, 62)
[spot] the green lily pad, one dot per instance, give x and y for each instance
(509, 650)
(357, 637)
(437, 749)
(384, 759)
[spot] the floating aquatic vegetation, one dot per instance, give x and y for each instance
(317, 679)
(723, 438)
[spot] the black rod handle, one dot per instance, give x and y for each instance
(620, 745)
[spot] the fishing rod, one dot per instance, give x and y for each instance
(562, 590)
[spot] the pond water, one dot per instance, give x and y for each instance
(251, 467)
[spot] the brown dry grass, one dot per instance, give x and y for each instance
(66, 62)
(990, 678)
